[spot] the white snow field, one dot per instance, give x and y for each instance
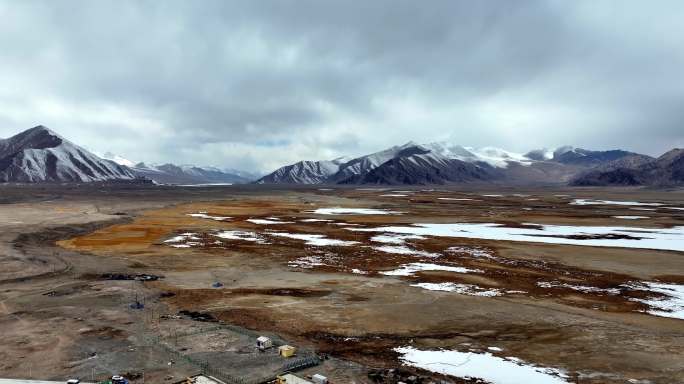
(647, 238)
(313, 239)
(353, 211)
(412, 268)
(486, 366)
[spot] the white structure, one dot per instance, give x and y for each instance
(201, 379)
(264, 343)
(291, 379)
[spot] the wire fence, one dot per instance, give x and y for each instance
(207, 368)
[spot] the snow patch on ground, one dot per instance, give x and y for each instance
(476, 252)
(183, 240)
(404, 250)
(411, 269)
(463, 289)
(353, 211)
(670, 306)
(204, 215)
(612, 202)
(240, 235)
(269, 221)
(580, 288)
(306, 262)
(645, 238)
(315, 220)
(494, 369)
(394, 238)
(314, 239)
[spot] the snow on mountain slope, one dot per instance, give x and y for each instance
(117, 159)
(579, 156)
(423, 169)
(304, 172)
(41, 155)
(188, 174)
(183, 173)
(540, 154)
(433, 156)
(331, 171)
(445, 162)
(364, 164)
(495, 157)
(498, 157)
(666, 170)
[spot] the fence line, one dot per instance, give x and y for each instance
(222, 374)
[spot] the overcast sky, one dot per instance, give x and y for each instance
(258, 84)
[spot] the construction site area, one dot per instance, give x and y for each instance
(252, 284)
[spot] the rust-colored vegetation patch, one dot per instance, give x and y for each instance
(349, 301)
(149, 235)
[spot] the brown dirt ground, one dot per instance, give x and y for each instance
(600, 338)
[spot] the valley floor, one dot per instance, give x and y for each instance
(550, 286)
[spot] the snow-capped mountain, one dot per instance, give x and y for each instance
(304, 172)
(410, 163)
(41, 155)
(190, 174)
(444, 162)
(364, 164)
(579, 156)
(666, 170)
(184, 173)
(496, 157)
(425, 168)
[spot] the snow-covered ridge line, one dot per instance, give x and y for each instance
(446, 162)
(41, 155)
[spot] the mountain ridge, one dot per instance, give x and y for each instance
(39, 154)
(665, 170)
(445, 163)
(169, 173)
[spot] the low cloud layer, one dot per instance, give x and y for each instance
(258, 84)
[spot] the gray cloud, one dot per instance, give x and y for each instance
(256, 84)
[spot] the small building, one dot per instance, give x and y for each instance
(319, 379)
(201, 379)
(289, 378)
(264, 343)
(287, 350)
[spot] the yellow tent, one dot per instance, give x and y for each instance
(287, 351)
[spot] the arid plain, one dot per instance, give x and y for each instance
(574, 285)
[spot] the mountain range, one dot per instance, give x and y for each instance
(41, 155)
(448, 163)
(184, 173)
